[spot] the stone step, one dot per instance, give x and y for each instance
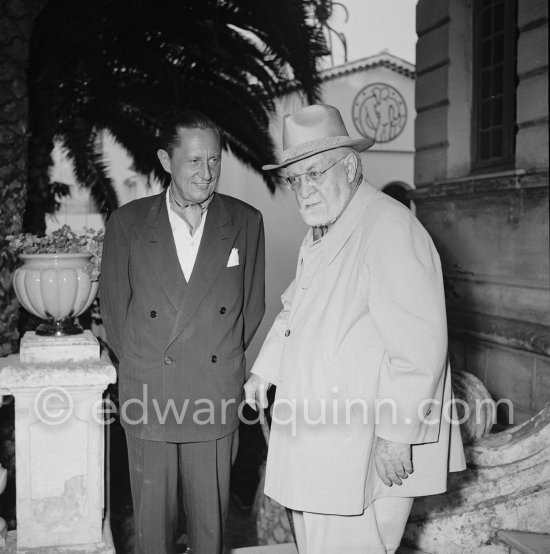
(525, 543)
(289, 548)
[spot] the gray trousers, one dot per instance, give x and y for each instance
(202, 471)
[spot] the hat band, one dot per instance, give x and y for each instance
(313, 145)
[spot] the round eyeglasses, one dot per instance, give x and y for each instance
(313, 176)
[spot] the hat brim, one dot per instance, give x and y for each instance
(357, 144)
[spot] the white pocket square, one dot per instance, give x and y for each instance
(233, 258)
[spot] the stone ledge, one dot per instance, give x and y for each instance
(522, 335)
(525, 543)
(97, 548)
(483, 184)
(287, 548)
(14, 375)
(36, 349)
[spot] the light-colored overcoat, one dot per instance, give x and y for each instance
(358, 351)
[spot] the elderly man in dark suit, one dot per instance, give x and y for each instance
(182, 294)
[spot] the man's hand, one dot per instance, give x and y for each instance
(255, 390)
(393, 461)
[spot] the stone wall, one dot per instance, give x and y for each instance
(492, 236)
(491, 229)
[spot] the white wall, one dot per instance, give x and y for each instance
(78, 210)
(129, 184)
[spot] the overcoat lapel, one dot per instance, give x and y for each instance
(220, 232)
(159, 245)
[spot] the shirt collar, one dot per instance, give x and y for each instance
(173, 196)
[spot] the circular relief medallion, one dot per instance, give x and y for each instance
(379, 112)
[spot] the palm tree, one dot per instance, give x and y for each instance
(126, 66)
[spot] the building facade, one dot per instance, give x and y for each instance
(481, 176)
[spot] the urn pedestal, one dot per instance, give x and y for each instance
(57, 384)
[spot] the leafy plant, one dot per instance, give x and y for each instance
(62, 241)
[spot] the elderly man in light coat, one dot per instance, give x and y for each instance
(363, 414)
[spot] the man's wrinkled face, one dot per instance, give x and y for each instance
(322, 200)
(194, 164)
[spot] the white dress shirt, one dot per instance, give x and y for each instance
(187, 246)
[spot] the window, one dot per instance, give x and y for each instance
(495, 80)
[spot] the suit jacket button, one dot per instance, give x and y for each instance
(428, 412)
(167, 360)
(287, 333)
(152, 313)
(222, 310)
(214, 359)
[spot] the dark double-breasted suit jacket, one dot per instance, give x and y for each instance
(181, 344)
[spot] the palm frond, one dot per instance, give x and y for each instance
(84, 150)
(129, 65)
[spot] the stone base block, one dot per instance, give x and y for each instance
(35, 349)
(96, 548)
(268, 549)
(290, 548)
(525, 543)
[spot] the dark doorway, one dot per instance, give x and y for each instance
(398, 192)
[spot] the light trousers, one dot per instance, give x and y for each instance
(378, 530)
(201, 470)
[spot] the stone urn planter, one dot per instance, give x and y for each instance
(56, 287)
(59, 276)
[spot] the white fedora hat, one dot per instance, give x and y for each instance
(315, 129)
